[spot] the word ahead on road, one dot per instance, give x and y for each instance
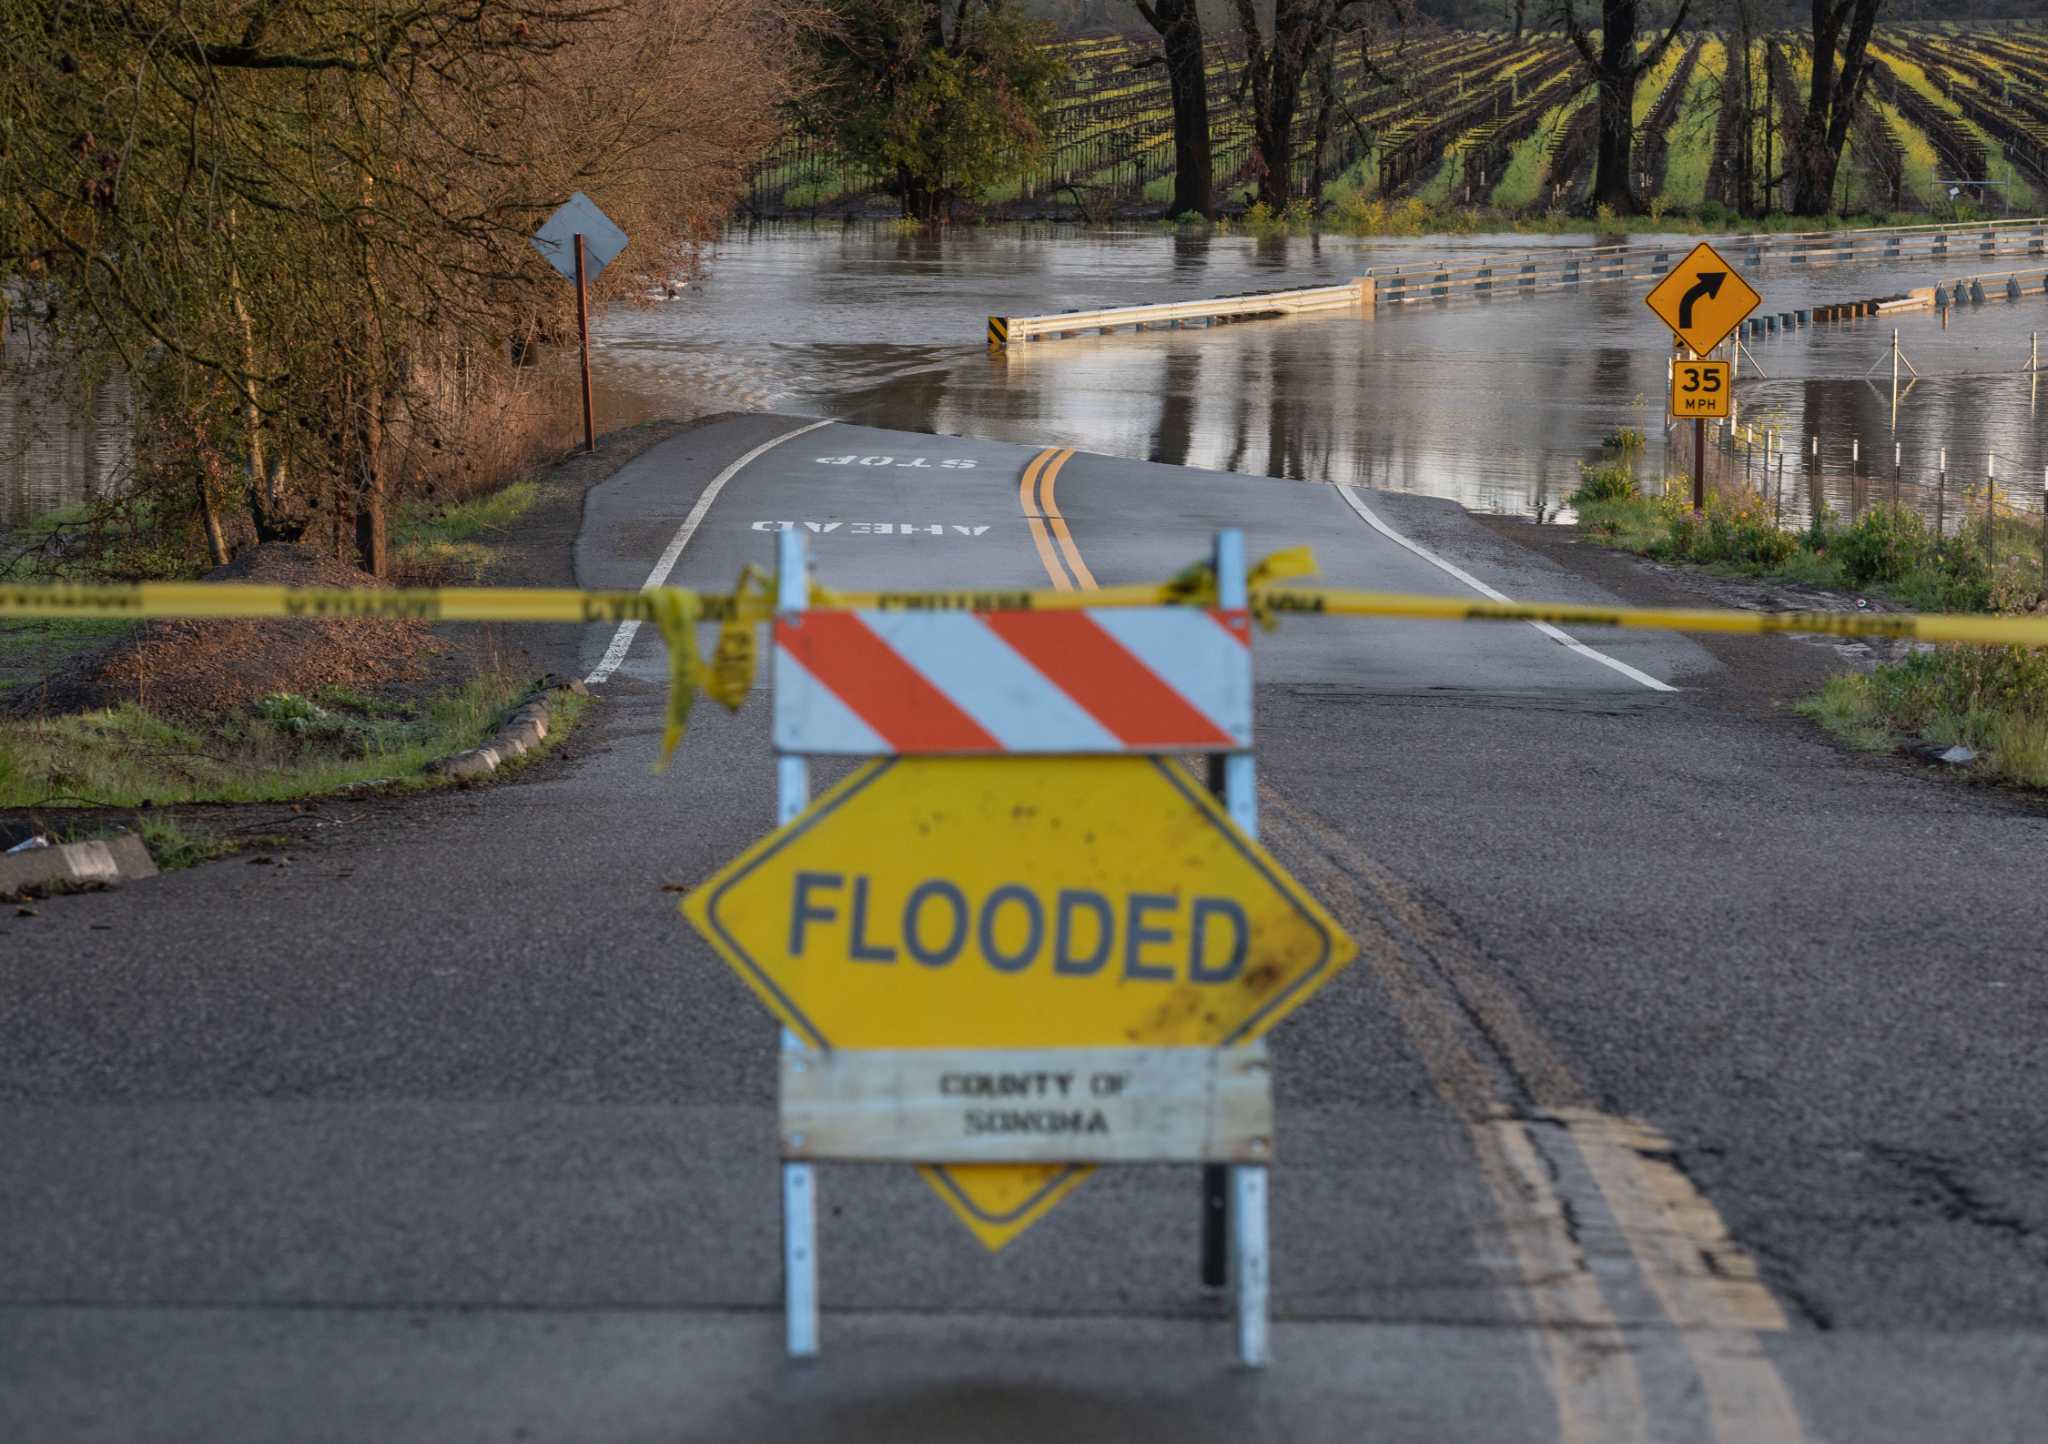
(1703, 299)
(1700, 388)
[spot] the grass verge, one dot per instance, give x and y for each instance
(1887, 552)
(445, 543)
(1992, 700)
(286, 747)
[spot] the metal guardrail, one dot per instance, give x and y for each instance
(1529, 273)
(1006, 330)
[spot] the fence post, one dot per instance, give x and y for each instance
(1991, 508)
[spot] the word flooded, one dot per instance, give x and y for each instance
(1072, 932)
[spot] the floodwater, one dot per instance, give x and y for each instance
(1492, 404)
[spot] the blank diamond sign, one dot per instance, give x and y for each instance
(602, 241)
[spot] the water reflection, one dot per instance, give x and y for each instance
(1494, 405)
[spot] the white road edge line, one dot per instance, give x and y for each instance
(622, 640)
(1366, 515)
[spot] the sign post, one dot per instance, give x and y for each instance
(1701, 300)
(579, 241)
(799, 1200)
(583, 342)
(1010, 968)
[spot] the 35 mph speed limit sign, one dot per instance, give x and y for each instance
(1699, 389)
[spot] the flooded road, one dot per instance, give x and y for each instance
(1493, 405)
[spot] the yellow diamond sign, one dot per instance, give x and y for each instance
(1703, 299)
(1004, 902)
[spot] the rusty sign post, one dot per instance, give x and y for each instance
(579, 241)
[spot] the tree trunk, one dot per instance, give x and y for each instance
(1613, 185)
(1274, 75)
(209, 517)
(1813, 167)
(1832, 98)
(1521, 17)
(1616, 69)
(920, 198)
(372, 543)
(1179, 23)
(1326, 103)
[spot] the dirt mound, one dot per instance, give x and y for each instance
(188, 668)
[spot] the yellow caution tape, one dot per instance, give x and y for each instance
(1927, 627)
(676, 612)
(732, 663)
(730, 674)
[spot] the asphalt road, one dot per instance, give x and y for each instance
(1689, 1087)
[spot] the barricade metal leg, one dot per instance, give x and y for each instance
(1249, 1242)
(799, 1187)
(1248, 1219)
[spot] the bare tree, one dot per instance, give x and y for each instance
(1179, 23)
(1616, 65)
(305, 226)
(1841, 66)
(1275, 66)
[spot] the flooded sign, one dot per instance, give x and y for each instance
(1703, 299)
(1700, 389)
(970, 903)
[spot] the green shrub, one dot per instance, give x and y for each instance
(1605, 481)
(1741, 534)
(289, 712)
(1626, 440)
(1885, 544)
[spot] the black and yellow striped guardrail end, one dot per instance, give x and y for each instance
(998, 332)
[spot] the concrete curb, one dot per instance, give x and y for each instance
(75, 865)
(521, 734)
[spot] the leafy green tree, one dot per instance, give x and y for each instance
(946, 106)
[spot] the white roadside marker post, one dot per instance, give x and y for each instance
(1247, 1181)
(799, 1191)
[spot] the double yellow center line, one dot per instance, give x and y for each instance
(1056, 549)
